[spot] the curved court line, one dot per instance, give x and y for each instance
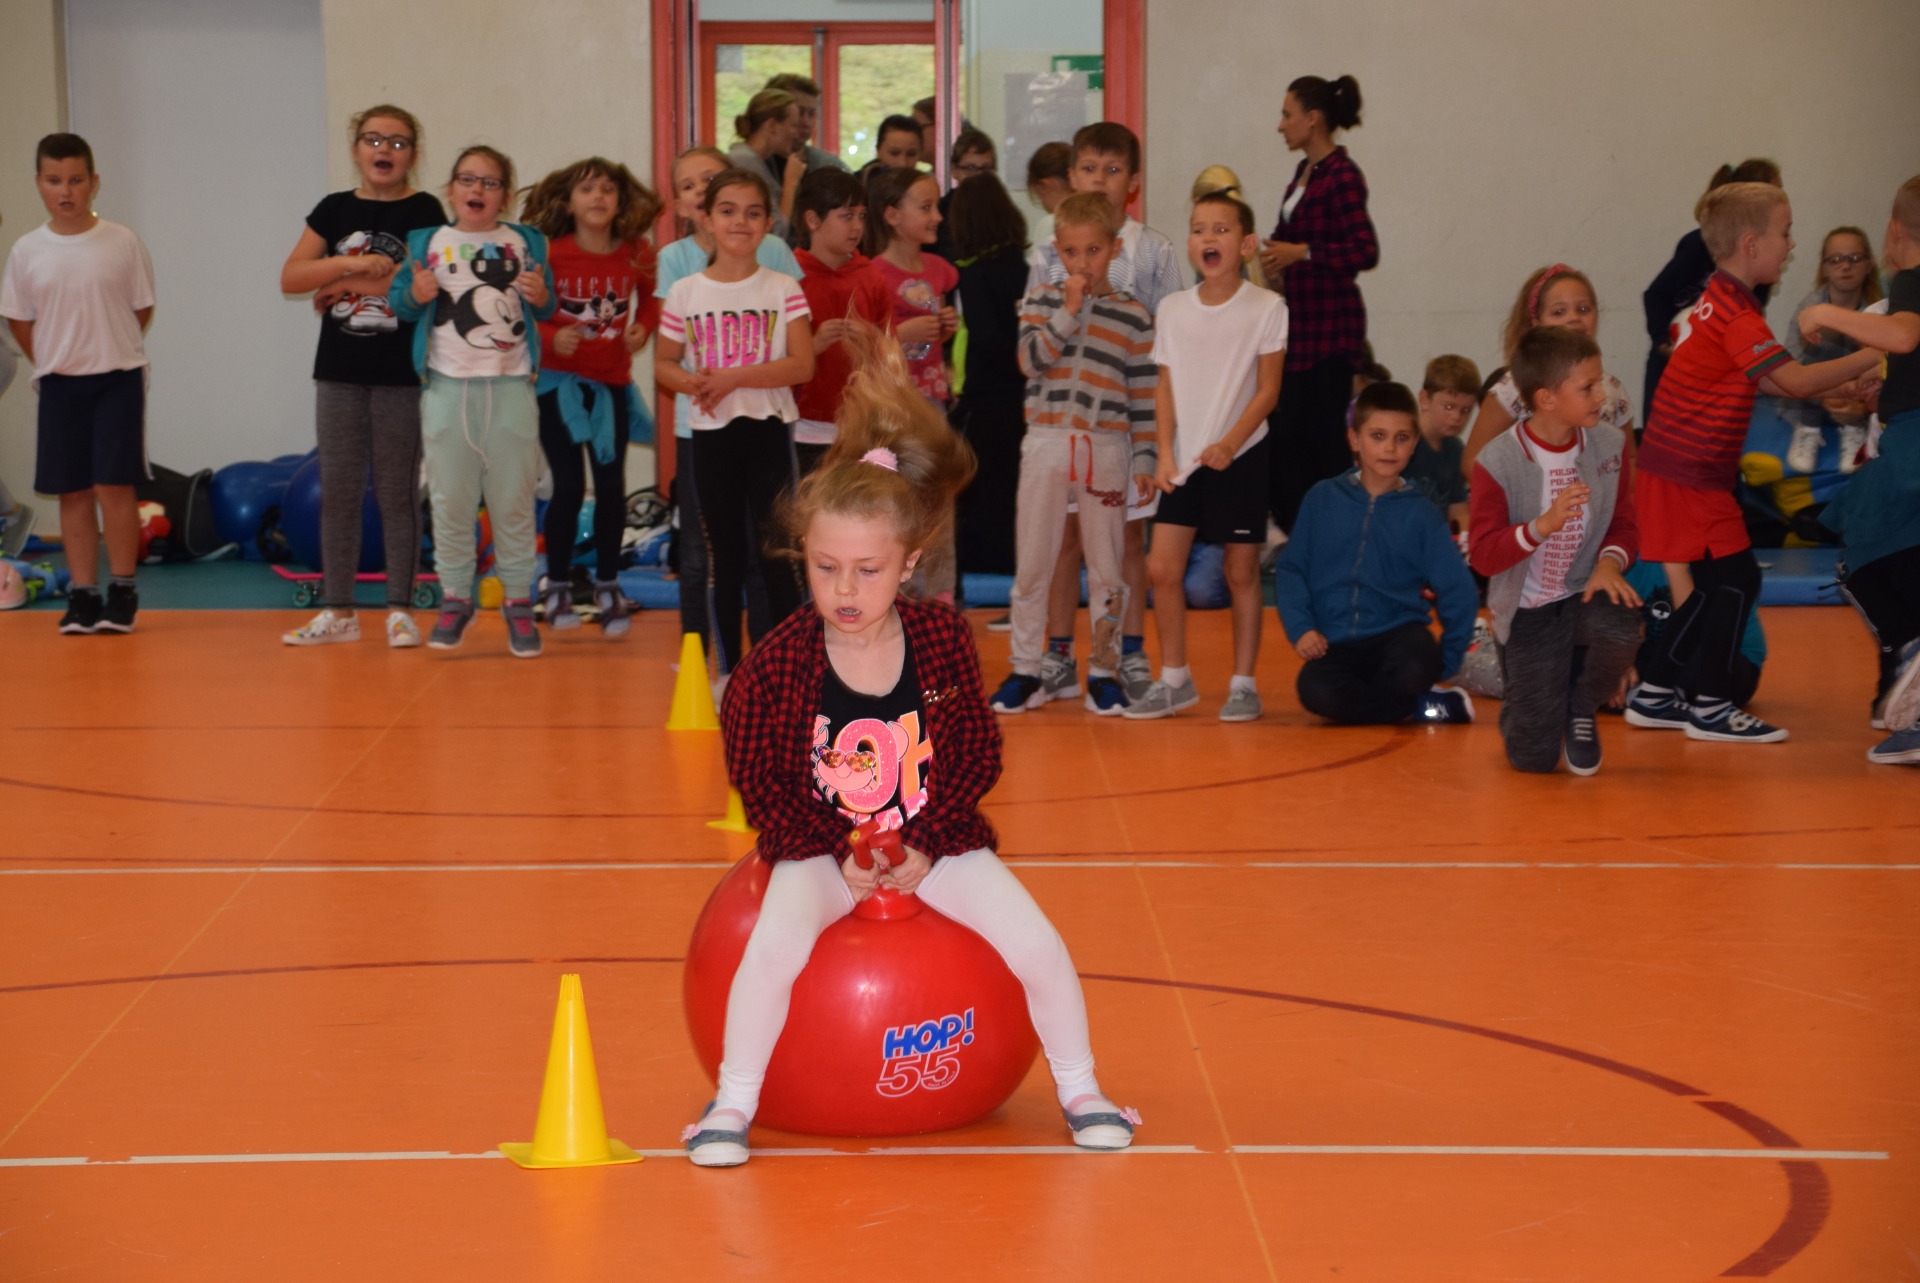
(1809, 1193)
(1399, 740)
(396, 813)
(1393, 745)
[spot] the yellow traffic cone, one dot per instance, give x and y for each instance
(492, 593)
(692, 698)
(571, 1131)
(735, 820)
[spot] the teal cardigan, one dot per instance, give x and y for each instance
(400, 293)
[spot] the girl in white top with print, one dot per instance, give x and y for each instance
(1552, 295)
(735, 339)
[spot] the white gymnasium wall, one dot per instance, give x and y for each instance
(32, 105)
(546, 83)
(1499, 137)
(207, 121)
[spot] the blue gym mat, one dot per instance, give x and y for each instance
(1799, 576)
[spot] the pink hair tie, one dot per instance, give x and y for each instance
(1552, 273)
(883, 457)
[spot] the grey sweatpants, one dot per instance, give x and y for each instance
(482, 439)
(1560, 661)
(361, 427)
(1096, 470)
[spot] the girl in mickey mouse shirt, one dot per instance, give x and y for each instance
(470, 290)
(870, 705)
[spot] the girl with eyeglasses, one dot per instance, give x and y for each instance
(1845, 277)
(366, 393)
(471, 290)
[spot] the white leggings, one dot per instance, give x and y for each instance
(805, 897)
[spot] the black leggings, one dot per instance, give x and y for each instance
(1698, 651)
(1309, 433)
(569, 460)
(741, 471)
(1373, 681)
(1887, 593)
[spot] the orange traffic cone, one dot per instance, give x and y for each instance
(735, 820)
(571, 1131)
(692, 708)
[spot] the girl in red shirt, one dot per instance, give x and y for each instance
(596, 214)
(801, 705)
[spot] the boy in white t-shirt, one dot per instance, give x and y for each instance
(1221, 347)
(78, 294)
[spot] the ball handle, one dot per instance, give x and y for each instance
(870, 842)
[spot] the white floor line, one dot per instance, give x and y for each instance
(669, 866)
(1003, 1151)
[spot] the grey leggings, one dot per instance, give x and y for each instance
(360, 426)
(1561, 660)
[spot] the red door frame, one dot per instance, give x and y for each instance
(824, 39)
(675, 23)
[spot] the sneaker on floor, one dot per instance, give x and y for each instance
(1902, 748)
(616, 613)
(1901, 704)
(1106, 697)
(1017, 694)
(1666, 712)
(1242, 706)
(1804, 450)
(523, 637)
(1097, 1123)
(719, 1139)
(1162, 700)
(1731, 725)
(324, 629)
(402, 632)
(1059, 676)
(83, 614)
(1446, 706)
(1001, 623)
(16, 528)
(1135, 674)
(556, 603)
(1582, 746)
(451, 625)
(1853, 440)
(123, 603)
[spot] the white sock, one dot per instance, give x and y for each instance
(1175, 676)
(1243, 683)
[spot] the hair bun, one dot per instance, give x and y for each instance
(1345, 95)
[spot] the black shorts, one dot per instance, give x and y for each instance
(93, 431)
(1223, 507)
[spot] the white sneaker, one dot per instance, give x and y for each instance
(1804, 451)
(1853, 440)
(324, 629)
(402, 632)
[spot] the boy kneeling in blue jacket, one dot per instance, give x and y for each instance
(1350, 583)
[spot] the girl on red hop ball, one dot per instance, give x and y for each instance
(862, 520)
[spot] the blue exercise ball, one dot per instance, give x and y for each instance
(1206, 580)
(300, 521)
(241, 495)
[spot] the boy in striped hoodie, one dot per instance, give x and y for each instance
(1087, 352)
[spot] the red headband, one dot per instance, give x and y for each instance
(1552, 273)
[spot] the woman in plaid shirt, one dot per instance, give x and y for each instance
(869, 707)
(1322, 241)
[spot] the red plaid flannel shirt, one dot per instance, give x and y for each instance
(767, 720)
(1325, 314)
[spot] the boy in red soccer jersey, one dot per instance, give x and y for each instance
(1690, 459)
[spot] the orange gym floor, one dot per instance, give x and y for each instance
(283, 932)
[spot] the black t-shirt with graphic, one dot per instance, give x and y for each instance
(871, 752)
(1902, 392)
(361, 340)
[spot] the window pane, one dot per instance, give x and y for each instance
(740, 72)
(878, 81)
